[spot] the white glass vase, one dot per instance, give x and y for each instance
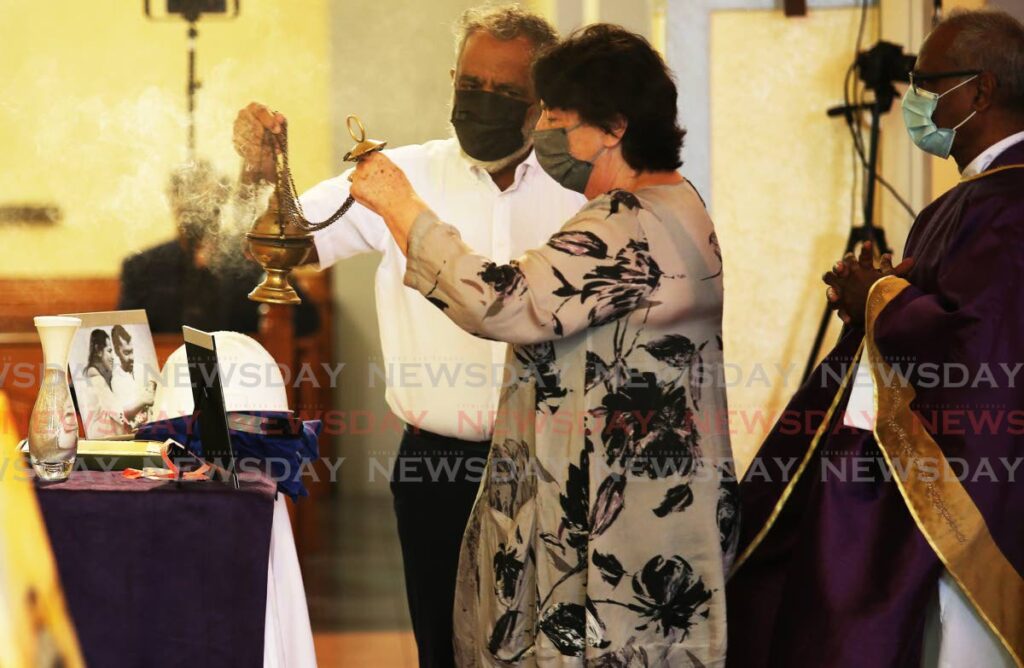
(53, 428)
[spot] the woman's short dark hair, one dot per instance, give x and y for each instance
(606, 74)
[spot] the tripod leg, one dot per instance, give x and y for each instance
(857, 234)
(868, 231)
(819, 338)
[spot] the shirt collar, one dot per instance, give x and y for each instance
(524, 168)
(527, 166)
(986, 157)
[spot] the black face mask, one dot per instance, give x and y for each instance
(489, 126)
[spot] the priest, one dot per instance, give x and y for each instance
(881, 517)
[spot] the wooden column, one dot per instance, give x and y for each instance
(277, 334)
(795, 7)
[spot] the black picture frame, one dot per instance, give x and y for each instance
(208, 396)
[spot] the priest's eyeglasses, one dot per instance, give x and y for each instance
(925, 77)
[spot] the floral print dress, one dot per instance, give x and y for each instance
(607, 516)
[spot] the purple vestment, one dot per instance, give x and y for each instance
(840, 573)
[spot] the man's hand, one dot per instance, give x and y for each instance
(852, 277)
(149, 393)
(250, 125)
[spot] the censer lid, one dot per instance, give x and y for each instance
(363, 145)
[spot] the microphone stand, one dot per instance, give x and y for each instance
(882, 103)
(193, 86)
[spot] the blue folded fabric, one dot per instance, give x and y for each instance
(284, 453)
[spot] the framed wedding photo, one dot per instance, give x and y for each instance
(115, 373)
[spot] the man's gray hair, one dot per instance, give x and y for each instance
(992, 41)
(505, 22)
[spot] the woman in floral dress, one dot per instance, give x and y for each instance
(606, 520)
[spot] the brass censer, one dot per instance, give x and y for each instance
(281, 238)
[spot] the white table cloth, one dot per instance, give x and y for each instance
(288, 638)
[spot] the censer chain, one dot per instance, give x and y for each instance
(288, 200)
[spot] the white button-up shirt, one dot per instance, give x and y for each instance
(438, 377)
(986, 157)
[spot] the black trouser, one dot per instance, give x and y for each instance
(434, 484)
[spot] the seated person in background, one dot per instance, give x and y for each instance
(199, 279)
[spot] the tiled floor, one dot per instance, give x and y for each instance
(355, 588)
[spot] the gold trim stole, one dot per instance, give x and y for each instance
(994, 170)
(942, 509)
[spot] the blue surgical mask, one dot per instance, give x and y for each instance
(552, 148)
(918, 107)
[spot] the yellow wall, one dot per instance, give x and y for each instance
(781, 177)
(92, 116)
(546, 8)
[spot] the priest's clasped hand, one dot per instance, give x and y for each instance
(381, 186)
(852, 277)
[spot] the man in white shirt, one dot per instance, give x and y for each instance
(445, 383)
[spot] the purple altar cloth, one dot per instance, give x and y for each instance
(158, 575)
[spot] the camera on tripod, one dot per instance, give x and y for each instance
(883, 64)
(190, 10)
(878, 67)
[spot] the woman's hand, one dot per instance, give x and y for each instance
(379, 185)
